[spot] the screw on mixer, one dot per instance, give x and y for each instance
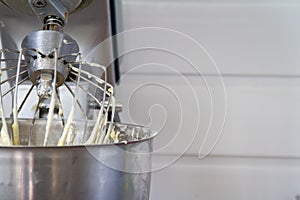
(39, 3)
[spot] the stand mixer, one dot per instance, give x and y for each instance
(59, 139)
(49, 59)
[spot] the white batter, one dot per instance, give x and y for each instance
(52, 102)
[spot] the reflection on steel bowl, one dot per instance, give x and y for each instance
(94, 172)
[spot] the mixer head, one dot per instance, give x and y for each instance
(38, 46)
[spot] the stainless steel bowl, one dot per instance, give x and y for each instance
(96, 172)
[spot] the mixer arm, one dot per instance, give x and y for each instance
(51, 12)
(24, 7)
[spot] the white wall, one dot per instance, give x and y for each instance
(256, 47)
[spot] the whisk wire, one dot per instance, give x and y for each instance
(33, 121)
(15, 125)
(13, 77)
(5, 139)
(52, 101)
(66, 130)
(25, 98)
(14, 86)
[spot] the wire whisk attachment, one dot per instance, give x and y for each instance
(83, 96)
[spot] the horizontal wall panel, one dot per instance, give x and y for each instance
(227, 179)
(242, 37)
(261, 114)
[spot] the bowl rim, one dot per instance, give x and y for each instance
(152, 135)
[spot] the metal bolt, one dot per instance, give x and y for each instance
(44, 85)
(39, 3)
